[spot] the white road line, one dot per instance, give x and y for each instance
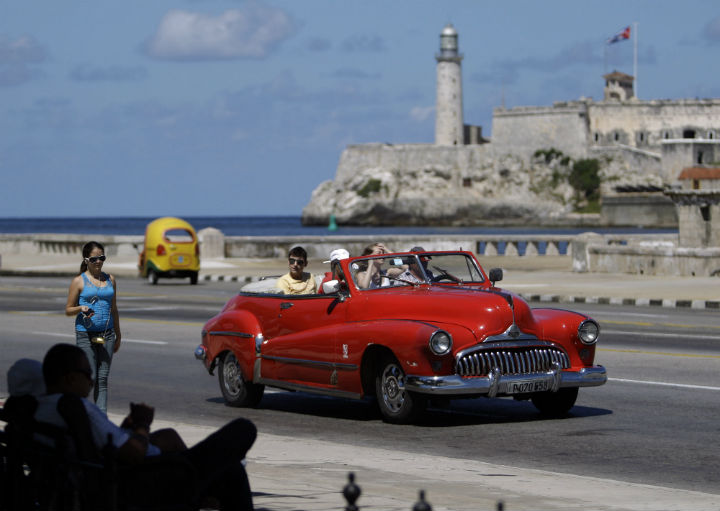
(144, 309)
(122, 309)
(135, 341)
(659, 334)
(631, 314)
(663, 384)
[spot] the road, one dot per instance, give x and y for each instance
(654, 422)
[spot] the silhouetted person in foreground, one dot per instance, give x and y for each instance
(217, 459)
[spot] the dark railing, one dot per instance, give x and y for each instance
(352, 493)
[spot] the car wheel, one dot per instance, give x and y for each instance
(234, 388)
(397, 405)
(555, 404)
(152, 277)
(194, 278)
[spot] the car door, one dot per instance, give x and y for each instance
(303, 349)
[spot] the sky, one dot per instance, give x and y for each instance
(234, 108)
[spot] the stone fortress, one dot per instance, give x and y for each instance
(519, 175)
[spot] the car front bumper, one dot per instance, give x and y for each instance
(496, 384)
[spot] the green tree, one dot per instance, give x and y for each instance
(372, 186)
(585, 178)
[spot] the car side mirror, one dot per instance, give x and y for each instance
(331, 287)
(495, 275)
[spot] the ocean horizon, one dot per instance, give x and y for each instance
(270, 226)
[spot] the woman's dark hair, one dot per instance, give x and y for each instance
(87, 250)
(369, 249)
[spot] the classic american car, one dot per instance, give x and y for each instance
(402, 328)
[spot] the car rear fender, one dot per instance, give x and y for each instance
(236, 331)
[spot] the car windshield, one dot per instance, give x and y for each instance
(427, 267)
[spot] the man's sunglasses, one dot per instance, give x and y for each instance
(95, 259)
(299, 262)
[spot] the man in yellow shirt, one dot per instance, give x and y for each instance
(296, 281)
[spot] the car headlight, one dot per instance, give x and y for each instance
(440, 342)
(588, 332)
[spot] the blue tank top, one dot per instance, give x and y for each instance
(99, 299)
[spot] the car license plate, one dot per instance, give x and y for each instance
(180, 259)
(523, 387)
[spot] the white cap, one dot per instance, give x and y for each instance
(25, 377)
(337, 254)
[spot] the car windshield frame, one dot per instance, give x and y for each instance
(467, 268)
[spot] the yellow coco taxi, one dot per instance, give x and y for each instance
(171, 250)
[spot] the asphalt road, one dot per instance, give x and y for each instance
(656, 421)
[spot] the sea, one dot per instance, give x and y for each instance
(273, 226)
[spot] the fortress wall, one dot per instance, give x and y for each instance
(657, 119)
(452, 161)
(524, 130)
(680, 153)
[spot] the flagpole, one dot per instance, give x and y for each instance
(605, 49)
(635, 54)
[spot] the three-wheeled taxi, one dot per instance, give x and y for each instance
(171, 250)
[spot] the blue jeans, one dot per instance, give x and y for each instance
(100, 357)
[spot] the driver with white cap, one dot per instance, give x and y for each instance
(335, 272)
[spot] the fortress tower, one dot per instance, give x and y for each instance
(449, 107)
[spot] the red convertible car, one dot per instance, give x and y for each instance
(404, 328)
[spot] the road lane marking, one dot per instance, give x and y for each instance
(143, 309)
(635, 314)
(663, 353)
(134, 320)
(669, 325)
(661, 334)
(53, 312)
(135, 341)
(163, 322)
(664, 384)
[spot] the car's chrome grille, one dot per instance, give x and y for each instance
(523, 360)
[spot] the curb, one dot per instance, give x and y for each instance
(228, 278)
(602, 300)
(614, 300)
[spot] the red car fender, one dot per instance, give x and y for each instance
(232, 330)
(364, 343)
(561, 326)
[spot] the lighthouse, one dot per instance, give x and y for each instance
(449, 108)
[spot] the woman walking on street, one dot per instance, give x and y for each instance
(92, 299)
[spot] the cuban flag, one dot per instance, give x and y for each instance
(620, 36)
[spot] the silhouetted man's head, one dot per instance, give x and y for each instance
(66, 370)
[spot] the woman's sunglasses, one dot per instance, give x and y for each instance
(95, 259)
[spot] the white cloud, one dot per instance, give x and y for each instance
(421, 113)
(22, 50)
(252, 32)
(90, 73)
(18, 58)
(711, 32)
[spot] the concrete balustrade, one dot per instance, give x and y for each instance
(215, 245)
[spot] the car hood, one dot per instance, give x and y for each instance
(484, 312)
